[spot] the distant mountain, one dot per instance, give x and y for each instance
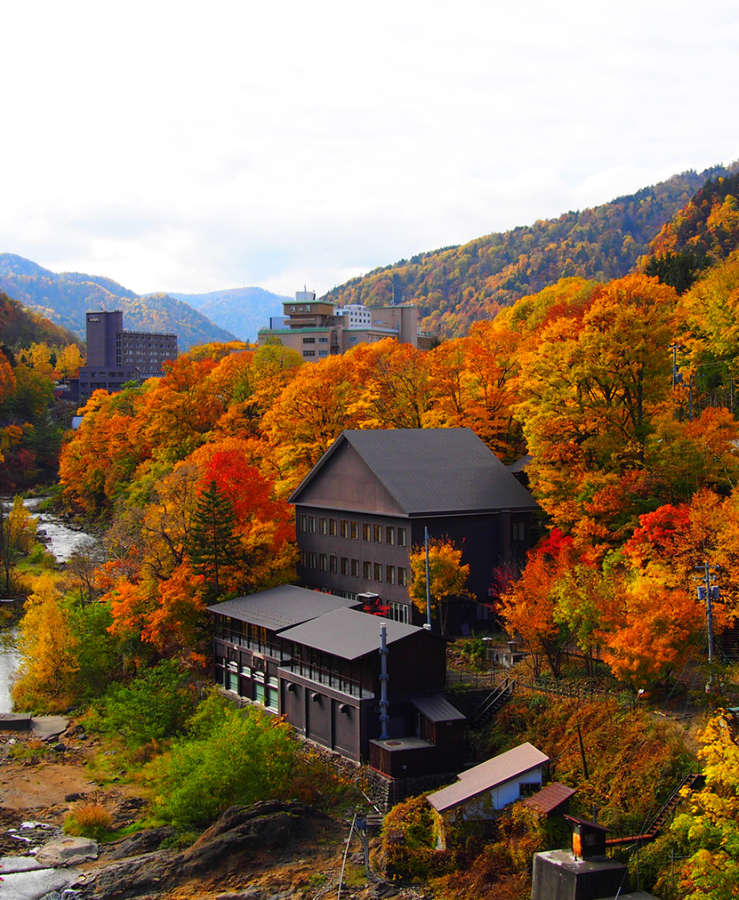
(66, 297)
(455, 286)
(21, 327)
(242, 311)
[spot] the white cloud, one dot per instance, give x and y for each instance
(178, 146)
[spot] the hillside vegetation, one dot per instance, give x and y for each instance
(64, 298)
(21, 327)
(455, 286)
(34, 354)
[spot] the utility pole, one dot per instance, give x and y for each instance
(708, 591)
(428, 579)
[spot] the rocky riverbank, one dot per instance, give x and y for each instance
(268, 851)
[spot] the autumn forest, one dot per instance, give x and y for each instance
(620, 394)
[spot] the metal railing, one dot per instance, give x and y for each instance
(267, 649)
(329, 678)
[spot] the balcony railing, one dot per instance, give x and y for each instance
(267, 649)
(328, 678)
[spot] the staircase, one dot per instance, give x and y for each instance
(657, 821)
(495, 700)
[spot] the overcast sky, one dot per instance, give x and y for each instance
(195, 146)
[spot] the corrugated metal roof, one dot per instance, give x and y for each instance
(433, 470)
(550, 797)
(437, 708)
(488, 775)
(280, 607)
(347, 633)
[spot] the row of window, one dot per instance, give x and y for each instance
(313, 353)
(260, 691)
(312, 340)
(342, 565)
(350, 529)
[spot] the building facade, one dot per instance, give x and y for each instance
(314, 659)
(368, 502)
(317, 328)
(115, 356)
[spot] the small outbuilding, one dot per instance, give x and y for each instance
(554, 798)
(482, 791)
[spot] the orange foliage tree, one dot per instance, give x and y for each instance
(529, 605)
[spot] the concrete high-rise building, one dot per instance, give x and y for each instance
(115, 356)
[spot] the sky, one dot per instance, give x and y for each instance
(194, 147)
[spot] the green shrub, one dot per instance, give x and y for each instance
(154, 706)
(475, 652)
(40, 556)
(31, 751)
(98, 652)
(230, 756)
(408, 842)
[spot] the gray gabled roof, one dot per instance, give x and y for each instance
(348, 633)
(436, 708)
(432, 471)
(280, 607)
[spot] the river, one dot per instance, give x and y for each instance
(61, 541)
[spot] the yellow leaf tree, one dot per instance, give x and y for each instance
(46, 676)
(447, 577)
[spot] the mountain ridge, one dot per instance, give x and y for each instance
(242, 310)
(64, 298)
(457, 285)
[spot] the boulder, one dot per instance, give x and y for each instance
(133, 877)
(67, 851)
(135, 844)
(243, 831)
(241, 834)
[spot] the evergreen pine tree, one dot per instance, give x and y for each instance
(213, 544)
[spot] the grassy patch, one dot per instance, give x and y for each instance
(91, 820)
(32, 751)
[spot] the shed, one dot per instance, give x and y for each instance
(550, 799)
(482, 791)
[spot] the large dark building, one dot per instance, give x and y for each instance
(329, 670)
(367, 502)
(115, 356)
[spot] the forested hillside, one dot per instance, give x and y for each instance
(34, 353)
(456, 286)
(21, 327)
(578, 375)
(704, 232)
(66, 297)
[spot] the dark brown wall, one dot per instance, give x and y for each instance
(293, 704)
(346, 482)
(485, 541)
(318, 717)
(417, 664)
